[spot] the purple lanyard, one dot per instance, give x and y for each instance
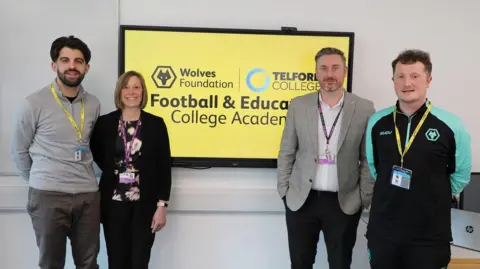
(328, 136)
(124, 137)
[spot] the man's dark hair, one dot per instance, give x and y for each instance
(331, 51)
(70, 42)
(412, 56)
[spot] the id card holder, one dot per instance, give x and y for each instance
(80, 154)
(327, 158)
(401, 177)
(127, 177)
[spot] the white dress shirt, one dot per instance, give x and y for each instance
(326, 178)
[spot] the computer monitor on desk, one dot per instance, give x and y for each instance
(466, 229)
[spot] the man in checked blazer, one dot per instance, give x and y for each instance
(323, 174)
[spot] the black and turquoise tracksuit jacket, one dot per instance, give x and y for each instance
(440, 160)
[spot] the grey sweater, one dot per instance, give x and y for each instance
(44, 142)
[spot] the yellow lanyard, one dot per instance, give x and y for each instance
(410, 141)
(70, 118)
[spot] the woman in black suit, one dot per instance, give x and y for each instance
(132, 149)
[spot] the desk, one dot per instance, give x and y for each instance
(464, 264)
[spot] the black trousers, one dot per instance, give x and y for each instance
(321, 212)
(128, 234)
(387, 255)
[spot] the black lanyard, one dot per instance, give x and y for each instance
(328, 136)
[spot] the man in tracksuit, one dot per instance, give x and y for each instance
(50, 147)
(419, 156)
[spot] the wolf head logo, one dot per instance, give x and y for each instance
(164, 76)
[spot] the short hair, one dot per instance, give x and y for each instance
(122, 82)
(331, 51)
(412, 56)
(70, 42)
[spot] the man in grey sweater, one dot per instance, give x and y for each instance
(50, 147)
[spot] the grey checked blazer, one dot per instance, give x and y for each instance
(297, 158)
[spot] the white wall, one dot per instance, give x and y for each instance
(216, 213)
(28, 29)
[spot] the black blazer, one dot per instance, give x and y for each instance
(154, 163)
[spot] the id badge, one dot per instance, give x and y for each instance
(401, 177)
(127, 177)
(327, 158)
(80, 153)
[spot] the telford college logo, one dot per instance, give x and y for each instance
(250, 75)
(164, 77)
(259, 80)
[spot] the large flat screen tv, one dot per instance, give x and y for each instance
(224, 93)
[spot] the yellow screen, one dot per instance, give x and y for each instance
(225, 95)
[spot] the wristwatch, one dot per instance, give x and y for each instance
(162, 203)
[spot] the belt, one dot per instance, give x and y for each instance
(317, 192)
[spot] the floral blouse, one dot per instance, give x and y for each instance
(127, 191)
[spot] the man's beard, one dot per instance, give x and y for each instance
(333, 88)
(69, 83)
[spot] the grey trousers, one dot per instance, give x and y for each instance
(56, 216)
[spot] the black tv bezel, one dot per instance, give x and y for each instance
(201, 162)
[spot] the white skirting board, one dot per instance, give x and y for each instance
(187, 195)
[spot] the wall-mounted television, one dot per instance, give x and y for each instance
(224, 93)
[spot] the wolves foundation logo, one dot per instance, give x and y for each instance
(164, 77)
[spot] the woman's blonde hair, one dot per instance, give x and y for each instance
(122, 82)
